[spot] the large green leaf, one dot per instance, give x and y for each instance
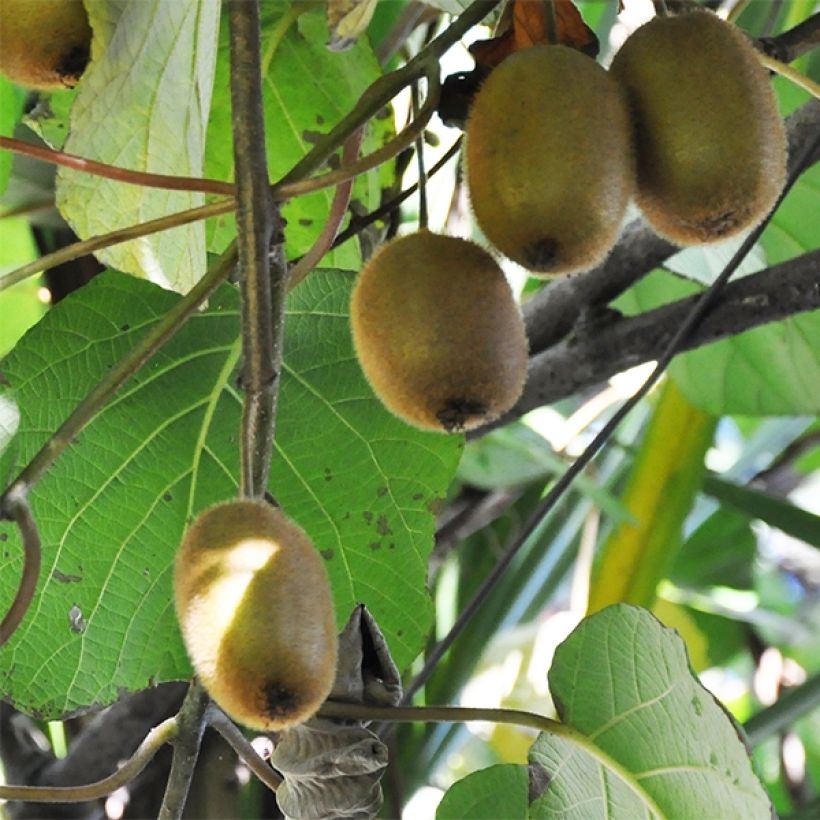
(307, 90)
(653, 742)
(112, 509)
(489, 794)
(143, 104)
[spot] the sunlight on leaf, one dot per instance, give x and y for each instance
(143, 105)
(658, 741)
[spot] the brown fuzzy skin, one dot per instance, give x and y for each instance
(256, 612)
(711, 145)
(438, 333)
(550, 164)
(44, 44)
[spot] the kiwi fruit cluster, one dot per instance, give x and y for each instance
(438, 332)
(256, 613)
(44, 44)
(685, 120)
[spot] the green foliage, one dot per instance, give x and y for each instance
(643, 735)
(295, 115)
(112, 510)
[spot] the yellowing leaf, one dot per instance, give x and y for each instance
(659, 493)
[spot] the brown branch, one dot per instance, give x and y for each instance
(553, 311)
(795, 42)
(190, 726)
(15, 506)
(612, 346)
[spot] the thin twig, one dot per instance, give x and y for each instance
(386, 87)
(115, 378)
(218, 720)
(800, 80)
(338, 208)
(154, 740)
(406, 137)
(358, 224)
(792, 705)
(515, 717)
(16, 506)
(423, 219)
(108, 240)
(167, 182)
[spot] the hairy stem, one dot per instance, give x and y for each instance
(262, 270)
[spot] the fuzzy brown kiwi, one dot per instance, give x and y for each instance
(256, 613)
(44, 44)
(711, 146)
(550, 165)
(438, 333)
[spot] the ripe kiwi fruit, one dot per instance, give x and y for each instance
(438, 333)
(256, 613)
(711, 147)
(550, 167)
(44, 44)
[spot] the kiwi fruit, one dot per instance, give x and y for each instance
(44, 44)
(256, 613)
(710, 144)
(438, 333)
(549, 159)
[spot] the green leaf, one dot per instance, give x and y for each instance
(143, 104)
(20, 306)
(489, 794)
(112, 508)
(771, 370)
(11, 109)
(307, 90)
(719, 552)
(794, 521)
(653, 742)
